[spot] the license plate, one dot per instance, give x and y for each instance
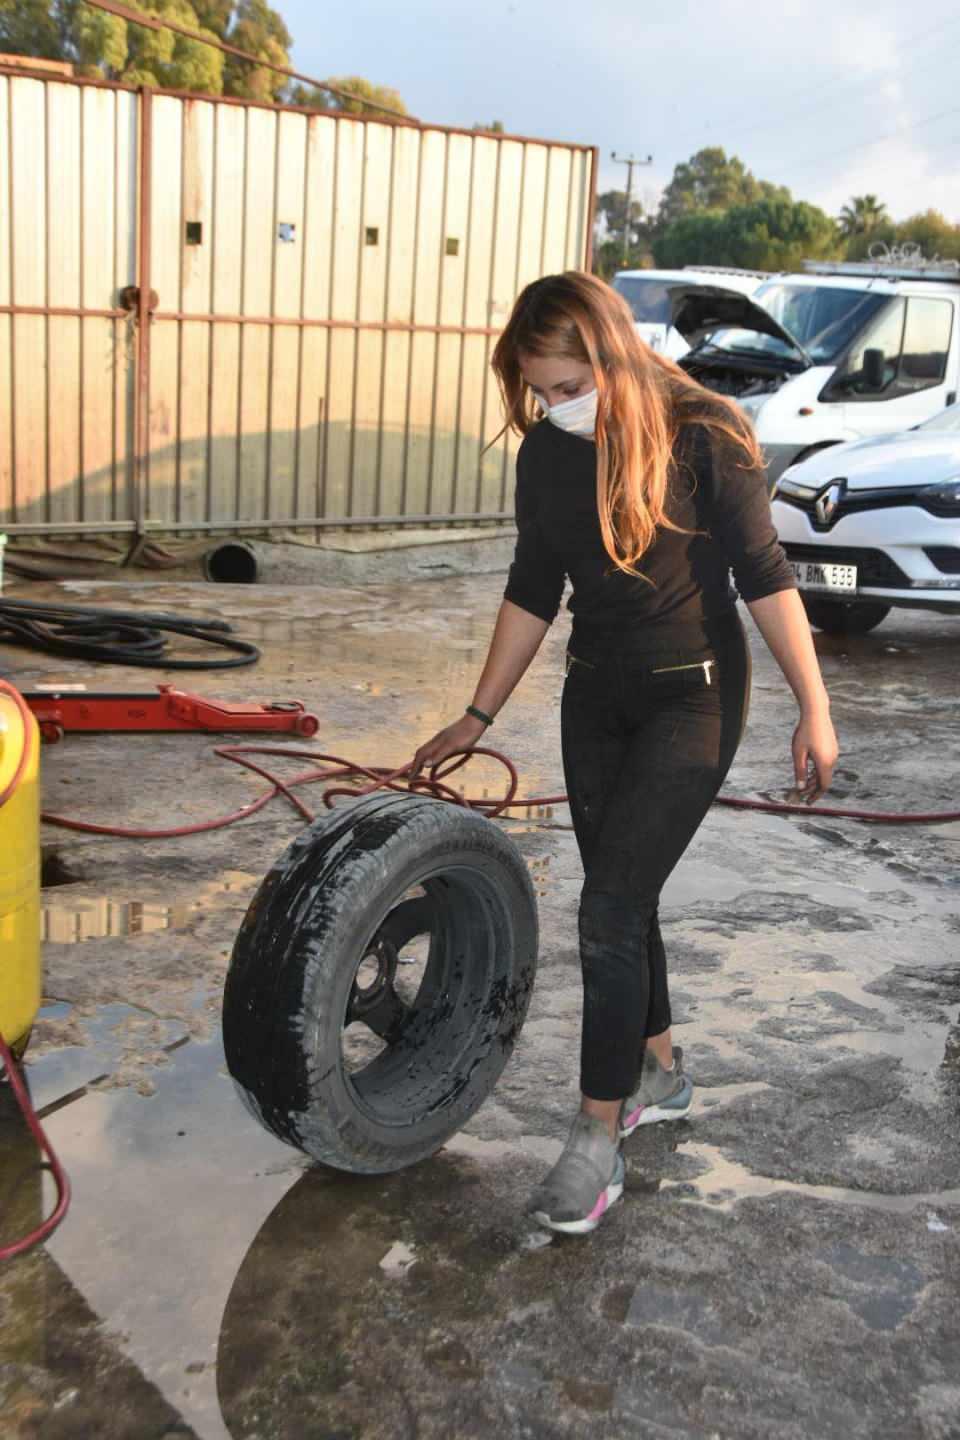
(838, 579)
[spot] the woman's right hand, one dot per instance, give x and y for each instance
(463, 734)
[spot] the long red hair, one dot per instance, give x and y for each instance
(644, 401)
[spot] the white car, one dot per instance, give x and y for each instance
(875, 524)
(648, 293)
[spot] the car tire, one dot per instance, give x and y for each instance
(839, 617)
(352, 890)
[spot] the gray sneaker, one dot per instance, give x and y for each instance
(583, 1184)
(660, 1095)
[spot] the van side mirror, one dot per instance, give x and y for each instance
(874, 367)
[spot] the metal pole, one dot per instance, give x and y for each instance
(629, 161)
(592, 206)
(141, 459)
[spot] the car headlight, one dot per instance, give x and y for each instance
(786, 485)
(943, 499)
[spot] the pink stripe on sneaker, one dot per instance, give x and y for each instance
(634, 1116)
(599, 1208)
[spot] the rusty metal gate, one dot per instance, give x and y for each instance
(220, 315)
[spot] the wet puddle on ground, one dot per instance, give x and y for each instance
(723, 1182)
(261, 1274)
(68, 918)
(172, 1187)
(88, 1047)
(720, 1182)
(222, 1224)
(260, 1296)
(539, 868)
(257, 1274)
(83, 1035)
(69, 923)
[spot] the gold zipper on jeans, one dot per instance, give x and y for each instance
(704, 665)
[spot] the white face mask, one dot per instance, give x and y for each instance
(577, 416)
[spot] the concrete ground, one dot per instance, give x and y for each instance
(785, 1262)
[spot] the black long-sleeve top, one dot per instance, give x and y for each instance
(724, 512)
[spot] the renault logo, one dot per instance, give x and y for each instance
(828, 502)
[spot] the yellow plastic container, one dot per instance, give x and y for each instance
(19, 870)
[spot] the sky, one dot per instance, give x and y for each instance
(829, 97)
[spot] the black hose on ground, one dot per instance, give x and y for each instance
(117, 637)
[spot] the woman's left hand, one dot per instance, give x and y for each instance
(815, 753)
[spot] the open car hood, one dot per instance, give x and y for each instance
(698, 310)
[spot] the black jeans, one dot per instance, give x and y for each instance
(650, 728)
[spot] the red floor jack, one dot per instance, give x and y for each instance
(67, 708)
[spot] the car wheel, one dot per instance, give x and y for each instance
(380, 979)
(839, 617)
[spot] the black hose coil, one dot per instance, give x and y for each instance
(116, 637)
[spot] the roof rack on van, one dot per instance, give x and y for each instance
(727, 270)
(890, 262)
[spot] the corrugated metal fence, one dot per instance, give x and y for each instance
(216, 314)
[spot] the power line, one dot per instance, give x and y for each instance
(806, 94)
(878, 139)
(805, 113)
(926, 181)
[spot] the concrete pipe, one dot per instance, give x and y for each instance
(234, 562)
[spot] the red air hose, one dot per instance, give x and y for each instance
(335, 768)
(47, 1227)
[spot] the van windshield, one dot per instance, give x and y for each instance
(647, 298)
(823, 318)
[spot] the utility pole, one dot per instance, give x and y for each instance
(629, 161)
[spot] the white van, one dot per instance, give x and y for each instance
(647, 292)
(846, 350)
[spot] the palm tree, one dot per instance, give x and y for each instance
(863, 214)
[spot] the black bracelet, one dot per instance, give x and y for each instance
(479, 715)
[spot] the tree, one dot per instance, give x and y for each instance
(612, 214)
(214, 15)
(102, 45)
(932, 232)
(99, 44)
(711, 181)
(694, 239)
(608, 257)
(161, 57)
(494, 128)
(770, 234)
(362, 91)
(30, 27)
(258, 29)
(863, 214)
(857, 247)
(779, 234)
(608, 235)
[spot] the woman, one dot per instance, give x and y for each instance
(645, 489)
